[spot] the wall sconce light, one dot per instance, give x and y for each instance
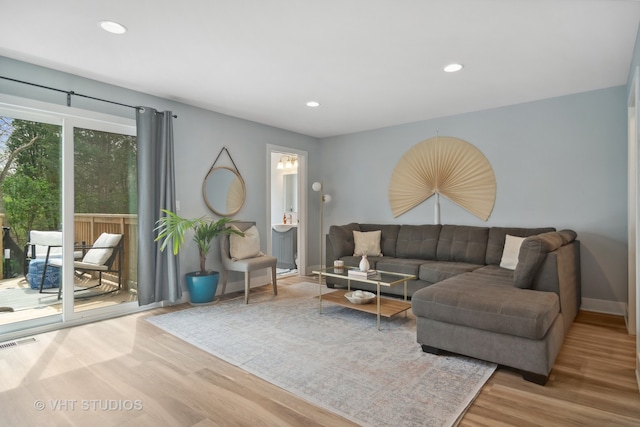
(280, 164)
(324, 198)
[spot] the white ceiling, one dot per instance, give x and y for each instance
(370, 63)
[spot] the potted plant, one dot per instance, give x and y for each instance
(172, 228)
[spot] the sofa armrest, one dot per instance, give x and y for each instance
(560, 273)
(330, 253)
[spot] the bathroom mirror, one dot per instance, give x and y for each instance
(223, 191)
(290, 191)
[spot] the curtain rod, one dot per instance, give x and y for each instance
(71, 93)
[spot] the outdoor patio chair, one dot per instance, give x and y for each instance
(41, 246)
(104, 256)
(41, 242)
(256, 261)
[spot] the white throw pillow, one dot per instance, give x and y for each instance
(105, 244)
(247, 246)
(511, 251)
(367, 243)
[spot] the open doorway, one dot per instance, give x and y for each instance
(286, 210)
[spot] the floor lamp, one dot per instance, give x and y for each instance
(324, 198)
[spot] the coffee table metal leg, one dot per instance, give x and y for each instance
(405, 296)
(378, 310)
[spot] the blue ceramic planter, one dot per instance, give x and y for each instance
(202, 286)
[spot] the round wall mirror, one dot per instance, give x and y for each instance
(223, 191)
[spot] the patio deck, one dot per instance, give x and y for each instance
(29, 303)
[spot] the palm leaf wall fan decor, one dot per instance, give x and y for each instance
(445, 166)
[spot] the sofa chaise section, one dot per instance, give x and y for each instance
(517, 319)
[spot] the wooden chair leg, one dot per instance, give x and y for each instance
(273, 280)
(224, 280)
(247, 278)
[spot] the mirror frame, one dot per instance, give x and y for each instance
(206, 199)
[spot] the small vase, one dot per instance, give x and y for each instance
(364, 263)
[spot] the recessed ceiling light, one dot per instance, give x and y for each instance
(113, 27)
(313, 104)
(452, 68)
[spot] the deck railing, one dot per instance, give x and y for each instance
(88, 226)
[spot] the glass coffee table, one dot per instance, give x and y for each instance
(384, 307)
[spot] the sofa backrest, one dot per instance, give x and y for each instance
(418, 241)
(388, 238)
(463, 243)
(497, 236)
(533, 252)
(341, 239)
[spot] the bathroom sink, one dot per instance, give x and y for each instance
(281, 228)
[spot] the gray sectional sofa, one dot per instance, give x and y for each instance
(465, 302)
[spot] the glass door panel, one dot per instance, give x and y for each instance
(30, 211)
(105, 219)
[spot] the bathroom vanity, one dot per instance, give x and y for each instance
(284, 245)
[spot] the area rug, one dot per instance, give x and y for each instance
(337, 360)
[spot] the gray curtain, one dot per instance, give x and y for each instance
(157, 271)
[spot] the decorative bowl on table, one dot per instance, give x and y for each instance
(360, 297)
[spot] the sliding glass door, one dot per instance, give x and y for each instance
(68, 205)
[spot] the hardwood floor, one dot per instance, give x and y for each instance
(126, 371)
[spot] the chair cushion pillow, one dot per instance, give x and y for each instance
(245, 247)
(102, 249)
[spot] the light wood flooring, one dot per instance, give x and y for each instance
(102, 373)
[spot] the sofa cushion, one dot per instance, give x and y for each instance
(491, 305)
(367, 243)
(437, 271)
(534, 250)
(400, 265)
(418, 241)
(341, 238)
(462, 243)
(388, 237)
(495, 243)
(496, 272)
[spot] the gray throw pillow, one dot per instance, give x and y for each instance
(534, 250)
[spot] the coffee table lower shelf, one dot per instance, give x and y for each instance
(388, 307)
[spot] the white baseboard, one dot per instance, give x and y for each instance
(603, 306)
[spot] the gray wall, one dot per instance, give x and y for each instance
(559, 162)
(199, 136)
